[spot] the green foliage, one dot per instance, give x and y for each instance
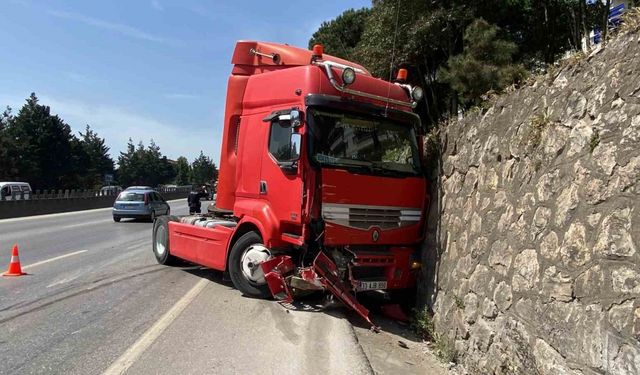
(203, 170)
(536, 127)
(144, 166)
(183, 171)
(422, 324)
(485, 64)
(98, 161)
(7, 168)
(430, 37)
(341, 35)
(39, 148)
(42, 150)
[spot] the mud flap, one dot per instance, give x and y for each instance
(329, 272)
(275, 270)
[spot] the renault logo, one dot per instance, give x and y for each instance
(375, 235)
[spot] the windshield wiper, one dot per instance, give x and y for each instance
(391, 172)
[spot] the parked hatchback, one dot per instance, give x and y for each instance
(139, 203)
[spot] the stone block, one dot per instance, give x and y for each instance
(557, 285)
(526, 271)
(574, 251)
(626, 280)
(503, 296)
(614, 237)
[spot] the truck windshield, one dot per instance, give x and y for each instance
(364, 143)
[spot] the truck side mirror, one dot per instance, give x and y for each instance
(296, 140)
(296, 118)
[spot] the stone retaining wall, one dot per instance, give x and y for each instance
(539, 258)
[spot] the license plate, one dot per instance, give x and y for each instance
(371, 285)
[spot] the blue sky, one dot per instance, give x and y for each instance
(142, 69)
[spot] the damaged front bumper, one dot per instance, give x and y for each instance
(280, 277)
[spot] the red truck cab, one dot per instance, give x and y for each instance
(320, 183)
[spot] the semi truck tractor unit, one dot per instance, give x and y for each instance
(320, 184)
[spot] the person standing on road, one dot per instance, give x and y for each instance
(194, 199)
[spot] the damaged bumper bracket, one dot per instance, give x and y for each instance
(329, 272)
(323, 273)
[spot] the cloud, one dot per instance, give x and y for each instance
(181, 96)
(115, 27)
(155, 4)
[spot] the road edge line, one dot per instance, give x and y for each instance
(129, 357)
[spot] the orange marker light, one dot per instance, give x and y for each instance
(318, 50)
(402, 75)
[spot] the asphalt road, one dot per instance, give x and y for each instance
(95, 301)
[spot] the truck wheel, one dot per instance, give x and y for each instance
(161, 246)
(242, 260)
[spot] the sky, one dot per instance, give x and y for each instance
(142, 69)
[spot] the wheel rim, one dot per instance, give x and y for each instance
(160, 241)
(250, 262)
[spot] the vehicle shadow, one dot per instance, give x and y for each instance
(319, 302)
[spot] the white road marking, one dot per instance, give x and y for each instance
(67, 213)
(54, 259)
(129, 357)
(65, 280)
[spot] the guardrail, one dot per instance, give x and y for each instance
(21, 204)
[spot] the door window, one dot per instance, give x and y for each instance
(280, 141)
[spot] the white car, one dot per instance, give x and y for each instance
(15, 191)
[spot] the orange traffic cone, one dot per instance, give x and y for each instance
(14, 265)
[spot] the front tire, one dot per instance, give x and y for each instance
(116, 219)
(161, 245)
(244, 284)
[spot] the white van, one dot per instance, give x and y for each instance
(15, 190)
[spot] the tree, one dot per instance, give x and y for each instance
(423, 36)
(144, 166)
(203, 170)
(98, 160)
(485, 64)
(42, 147)
(183, 171)
(340, 36)
(7, 168)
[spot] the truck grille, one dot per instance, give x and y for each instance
(365, 217)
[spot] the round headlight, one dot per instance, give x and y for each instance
(417, 93)
(348, 76)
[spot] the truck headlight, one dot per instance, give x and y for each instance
(348, 76)
(417, 93)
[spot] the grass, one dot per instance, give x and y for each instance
(459, 302)
(537, 125)
(594, 141)
(432, 149)
(422, 324)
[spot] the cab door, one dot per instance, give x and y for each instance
(280, 178)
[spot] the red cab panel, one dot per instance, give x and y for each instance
(205, 246)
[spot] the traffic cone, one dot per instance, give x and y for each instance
(14, 265)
